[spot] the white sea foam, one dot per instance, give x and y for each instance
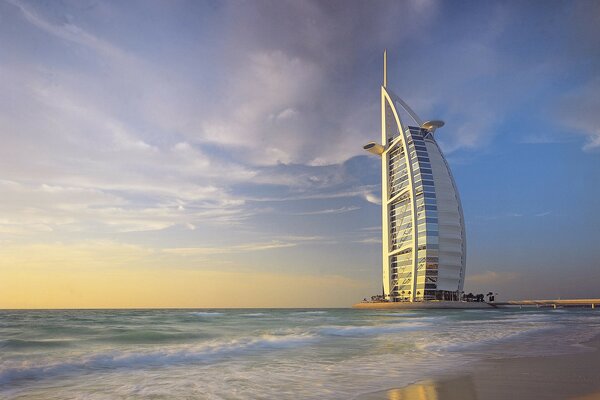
(282, 378)
(477, 340)
(207, 353)
(207, 313)
(409, 317)
(370, 330)
(310, 312)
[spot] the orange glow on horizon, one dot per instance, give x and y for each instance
(108, 275)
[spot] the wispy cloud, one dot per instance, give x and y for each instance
(369, 241)
(541, 138)
(492, 278)
(240, 248)
(295, 238)
(340, 210)
(510, 214)
(579, 112)
(69, 32)
(516, 215)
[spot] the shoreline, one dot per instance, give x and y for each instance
(572, 376)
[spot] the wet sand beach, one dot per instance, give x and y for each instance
(571, 376)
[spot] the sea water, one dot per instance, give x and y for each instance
(263, 353)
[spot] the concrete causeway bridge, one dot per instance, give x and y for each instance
(591, 303)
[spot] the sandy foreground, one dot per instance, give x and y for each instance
(571, 376)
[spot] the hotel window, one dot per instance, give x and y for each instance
(433, 239)
(430, 202)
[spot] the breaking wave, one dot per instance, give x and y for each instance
(206, 313)
(208, 353)
(370, 330)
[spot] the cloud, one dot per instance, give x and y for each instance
(492, 278)
(164, 150)
(286, 114)
(135, 127)
(287, 92)
(32, 207)
(372, 198)
(369, 241)
(579, 113)
(371, 228)
(295, 238)
(69, 32)
(287, 83)
(510, 214)
(194, 251)
(85, 254)
(340, 210)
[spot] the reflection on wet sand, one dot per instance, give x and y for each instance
(572, 376)
(592, 396)
(459, 388)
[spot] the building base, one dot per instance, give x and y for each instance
(423, 305)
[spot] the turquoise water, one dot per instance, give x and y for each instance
(263, 354)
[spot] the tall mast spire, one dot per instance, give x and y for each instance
(385, 68)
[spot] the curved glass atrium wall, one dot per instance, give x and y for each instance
(423, 227)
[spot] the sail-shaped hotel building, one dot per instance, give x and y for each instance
(424, 244)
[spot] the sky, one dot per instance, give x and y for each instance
(209, 153)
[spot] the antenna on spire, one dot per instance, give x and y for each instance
(384, 67)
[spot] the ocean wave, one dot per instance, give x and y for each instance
(370, 330)
(207, 353)
(475, 341)
(150, 336)
(310, 312)
(206, 313)
(22, 344)
(528, 318)
(418, 317)
(258, 314)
